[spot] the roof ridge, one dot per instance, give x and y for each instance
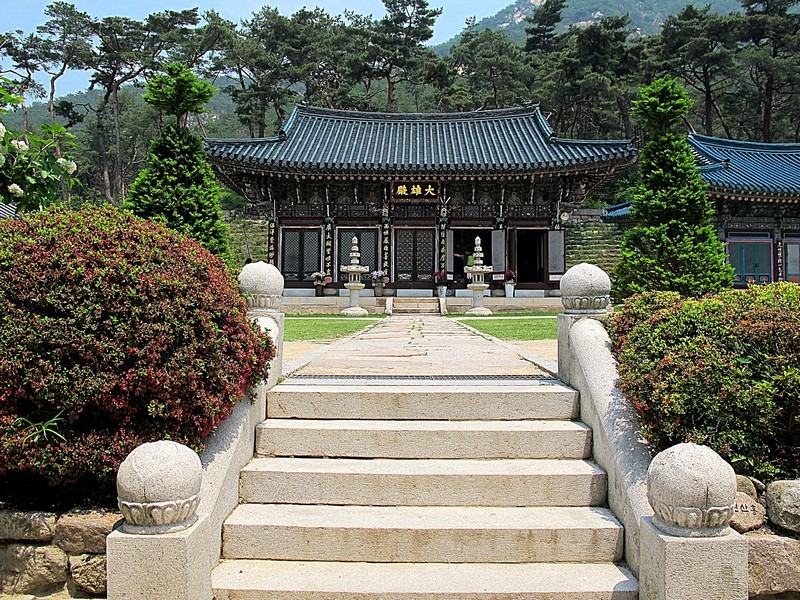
(416, 116)
(743, 144)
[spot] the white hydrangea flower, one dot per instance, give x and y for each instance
(15, 190)
(20, 145)
(2, 159)
(2, 130)
(68, 165)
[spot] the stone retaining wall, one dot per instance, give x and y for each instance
(41, 552)
(590, 239)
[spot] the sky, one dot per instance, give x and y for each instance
(28, 14)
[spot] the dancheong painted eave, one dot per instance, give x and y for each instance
(515, 141)
(748, 170)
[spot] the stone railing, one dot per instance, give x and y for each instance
(684, 548)
(174, 501)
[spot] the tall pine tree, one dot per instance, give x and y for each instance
(178, 186)
(673, 245)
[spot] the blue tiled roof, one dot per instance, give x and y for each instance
(749, 169)
(516, 141)
(618, 212)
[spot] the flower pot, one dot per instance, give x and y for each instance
(509, 289)
(329, 291)
(441, 290)
(318, 290)
(378, 290)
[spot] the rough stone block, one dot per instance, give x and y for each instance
(744, 485)
(783, 504)
(748, 514)
(85, 533)
(26, 569)
(682, 568)
(774, 564)
(27, 526)
(88, 571)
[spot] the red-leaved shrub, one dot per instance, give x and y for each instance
(722, 370)
(114, 331)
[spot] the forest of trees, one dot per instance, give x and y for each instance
(742, 70)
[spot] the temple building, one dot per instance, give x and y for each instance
(755, 188)
(755, 191)
(417, 189)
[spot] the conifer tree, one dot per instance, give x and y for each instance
(673, 245)
(178, 186)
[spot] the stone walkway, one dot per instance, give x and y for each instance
(416, 345)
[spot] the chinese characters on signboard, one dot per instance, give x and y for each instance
(271, 241)
(329, 248)
(385, 246)
(414, 191)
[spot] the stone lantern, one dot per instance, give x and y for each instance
(354, 272)
(478, 271)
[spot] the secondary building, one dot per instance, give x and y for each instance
(755, 191)
(417, 189)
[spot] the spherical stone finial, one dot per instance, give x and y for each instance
(262, 284)
(158, 488)
(692, 491)
(585, 289)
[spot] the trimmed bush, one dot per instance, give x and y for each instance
(114, 331)
(721, 370)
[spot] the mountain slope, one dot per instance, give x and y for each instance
(646, 15)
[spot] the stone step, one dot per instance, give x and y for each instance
(415, 310)
(433, 482)
(422, 533)
(452, 399)
(423, 439)
(288, 580)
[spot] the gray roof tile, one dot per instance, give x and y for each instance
(517, 140)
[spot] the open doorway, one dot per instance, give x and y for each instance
(528, 249)
(464, 247)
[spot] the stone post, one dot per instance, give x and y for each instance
(153, 555)
(262, 285)
(478, 270)
(585, 292)
(687, 550)
(354, 272)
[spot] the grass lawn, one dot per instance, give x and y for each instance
(515, 329)
(322, 327)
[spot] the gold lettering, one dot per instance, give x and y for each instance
(402, 190)
(416, 190)
(429, 191)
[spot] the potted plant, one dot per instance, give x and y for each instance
(320, 279)
(510, 282)
(440, 277)
(378, 280)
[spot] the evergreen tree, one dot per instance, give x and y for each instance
(673, 245)
(178, 187)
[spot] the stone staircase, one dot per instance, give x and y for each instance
(415, 306)
(422, 489)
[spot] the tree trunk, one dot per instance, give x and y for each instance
(389, 94)
(119, 185)
(102, 143)
(709, 103)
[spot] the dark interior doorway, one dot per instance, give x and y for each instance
(528, 248)
(464, 247)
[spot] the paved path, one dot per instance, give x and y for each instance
(419, 345)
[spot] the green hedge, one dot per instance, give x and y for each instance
(114, 331)
(721, 370)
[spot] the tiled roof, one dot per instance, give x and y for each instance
(618, 212)
(8, 210)
(749, 169)
(516, 141)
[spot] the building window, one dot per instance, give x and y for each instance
(792, 254)
(367, 245)
(301, 252)
(751, 257)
